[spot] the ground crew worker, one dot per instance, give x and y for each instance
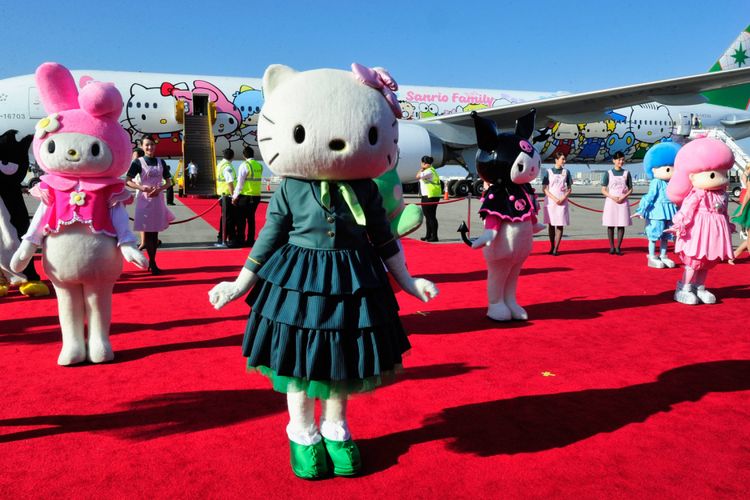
(429, 188)
(225, 181)
(246, 197)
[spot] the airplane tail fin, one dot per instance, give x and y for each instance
(737, 55)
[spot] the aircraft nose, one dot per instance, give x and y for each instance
(337, 144)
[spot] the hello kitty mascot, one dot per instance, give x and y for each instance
(701, 226)
(508, 163)
(81, 220)
(324, 321)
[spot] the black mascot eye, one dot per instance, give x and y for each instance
(299, 134)
(51, 147)
(231, 121)
(372, 135)
(713, 175)
(520, 167)
(95, 149)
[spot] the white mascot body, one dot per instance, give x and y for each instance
(81, 221)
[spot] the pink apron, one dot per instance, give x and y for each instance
(617, 214)
(151, 214)
(554, 214)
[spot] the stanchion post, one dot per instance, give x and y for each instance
(468, 215)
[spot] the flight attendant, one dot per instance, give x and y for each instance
(616, 188)
(557, 184)
(151, 212)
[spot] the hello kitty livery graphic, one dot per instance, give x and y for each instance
(81, 223)
(150, 112)
(248, 101)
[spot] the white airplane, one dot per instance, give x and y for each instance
(588, 127)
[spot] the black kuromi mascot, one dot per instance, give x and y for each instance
(14, 218)
(508, 163)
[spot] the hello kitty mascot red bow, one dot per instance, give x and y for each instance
(81, 221)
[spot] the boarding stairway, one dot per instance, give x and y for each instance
(198, 147)
(741, 159)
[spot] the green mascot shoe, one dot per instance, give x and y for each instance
(309, 462)
(344, 456)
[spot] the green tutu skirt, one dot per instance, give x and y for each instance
(741, 216)
(324, 322)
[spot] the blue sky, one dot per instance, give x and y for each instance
(537, 45)
(530, 45)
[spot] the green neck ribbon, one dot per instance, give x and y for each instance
(347, 193)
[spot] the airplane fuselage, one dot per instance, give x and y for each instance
(151, 98)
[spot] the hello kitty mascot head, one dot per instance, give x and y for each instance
(81, 221)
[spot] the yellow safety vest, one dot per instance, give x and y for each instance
(252, 184)
(222, 188)
(433, 185)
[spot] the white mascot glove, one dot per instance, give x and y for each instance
(419, 288)
(227, 291)
(131, 254)
(23, 256)
(485, 240)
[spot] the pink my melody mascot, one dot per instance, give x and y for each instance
(508, 163)
(81, 220)
(324, 320)
(701, 226)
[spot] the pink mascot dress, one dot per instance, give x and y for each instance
(701, 226)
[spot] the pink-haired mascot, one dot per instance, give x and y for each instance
(701, 226)
(81, 223)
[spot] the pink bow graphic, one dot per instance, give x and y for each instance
(379, 79)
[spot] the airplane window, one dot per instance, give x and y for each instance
(130, 104)
(145, 104)
(154, 105)
(138, 105)
(242, 108)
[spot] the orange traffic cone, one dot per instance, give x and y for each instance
(445, 194)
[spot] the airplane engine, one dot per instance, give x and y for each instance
(414, 142)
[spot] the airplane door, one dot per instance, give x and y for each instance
(200, 104)
(36, 110)
(684, 125)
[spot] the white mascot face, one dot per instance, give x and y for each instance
(325, 124)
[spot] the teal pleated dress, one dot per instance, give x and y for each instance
(324, 318)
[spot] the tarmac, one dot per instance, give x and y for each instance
(585, 220)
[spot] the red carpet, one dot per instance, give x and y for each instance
(643, 398)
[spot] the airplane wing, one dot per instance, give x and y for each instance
(593, 106)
